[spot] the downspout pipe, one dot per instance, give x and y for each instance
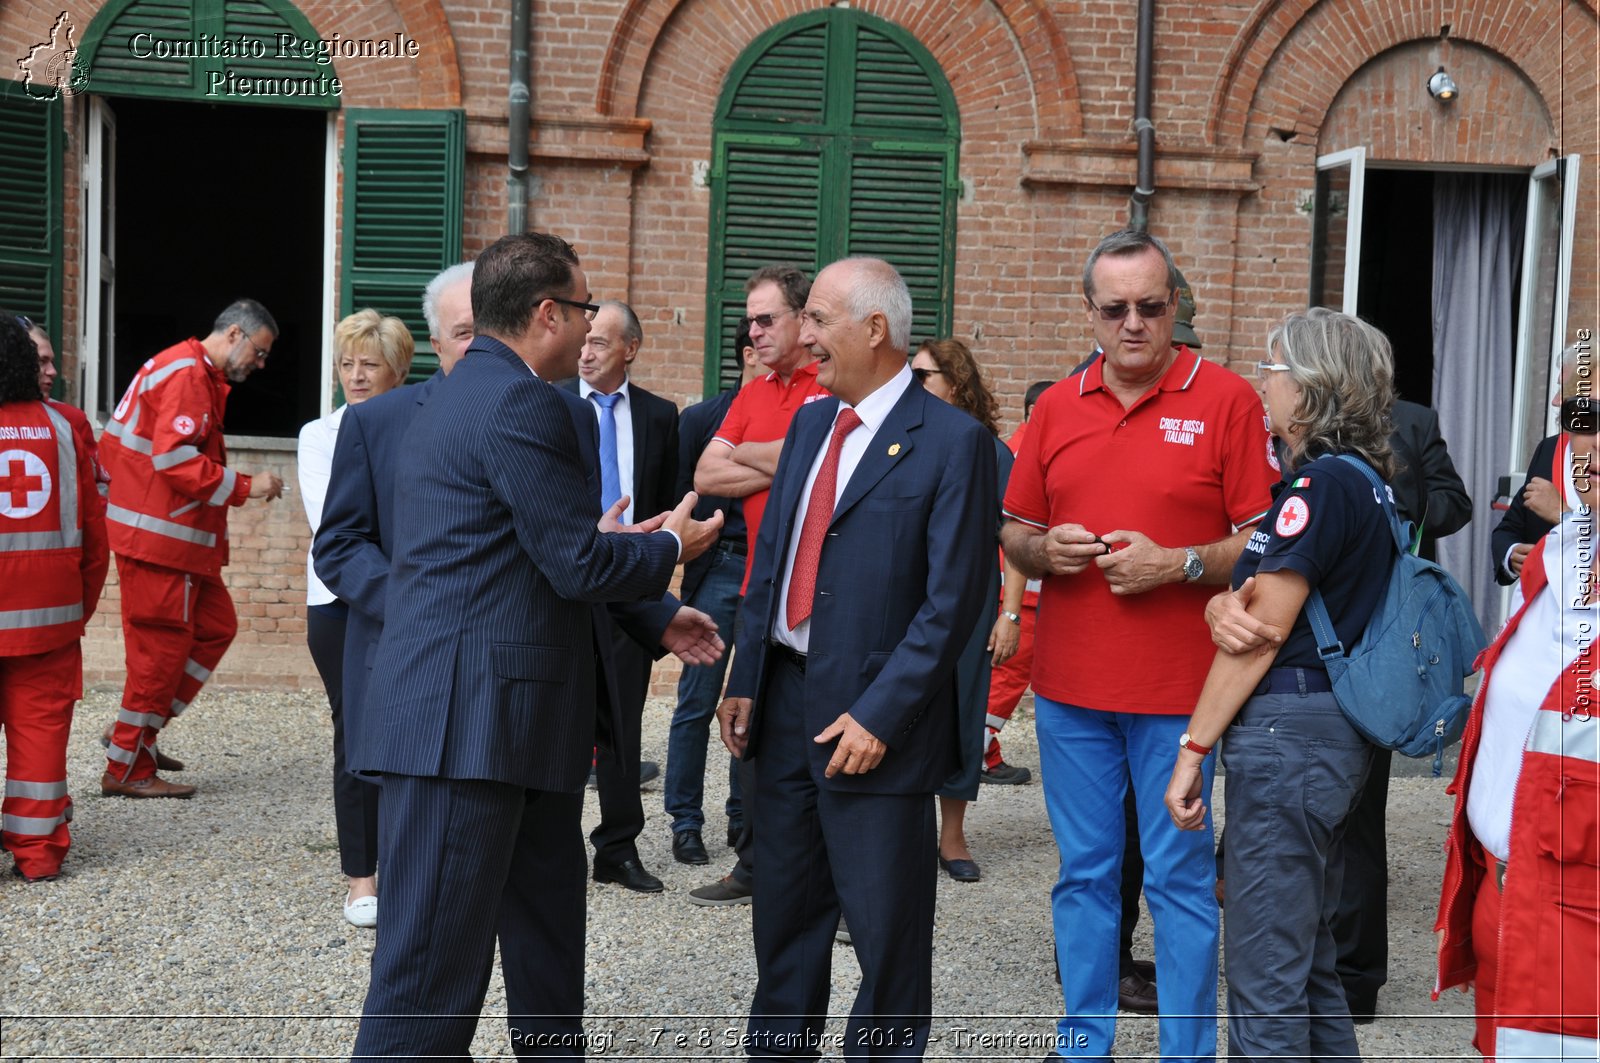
(1144, 188)
(517, 120)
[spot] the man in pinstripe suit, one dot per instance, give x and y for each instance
(483, 689)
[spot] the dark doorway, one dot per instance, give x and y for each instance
(1396, 288)
(213, 203)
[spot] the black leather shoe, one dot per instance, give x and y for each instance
(1136, 994)
(961, 870)
(629, 873)
(687, 848)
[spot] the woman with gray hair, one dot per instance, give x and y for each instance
(372, 354)
(1294, 764)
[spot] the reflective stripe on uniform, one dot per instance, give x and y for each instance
(177, 707)
(139, 719)
(1528, 1046)
(127, 437)
(195, 670)
(36, 791)
(157, 526)
(174, 457)
(67, 457)
(17, 542)
(13, 619)
(36, 825)
(120, 755)
(1566, 736)
(224, 490)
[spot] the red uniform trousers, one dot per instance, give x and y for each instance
(1486, 947)
(1007, 683)
(37, 691)
(176, 626)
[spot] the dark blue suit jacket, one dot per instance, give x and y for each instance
(900, 585)
(486, 667)
(351, 550)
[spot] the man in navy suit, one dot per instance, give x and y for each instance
(637, 458)
(871, 568)
(481, 698)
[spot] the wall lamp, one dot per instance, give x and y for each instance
(1442, 86)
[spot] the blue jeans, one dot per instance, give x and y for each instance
(1295, 766)
(1087, 759)
(699, 691)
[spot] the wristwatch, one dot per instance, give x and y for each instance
(1185, 742)
(1193, 567)
(1013, 617)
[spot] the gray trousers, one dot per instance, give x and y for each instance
(1294, 768)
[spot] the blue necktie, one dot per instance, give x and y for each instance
(610, 480)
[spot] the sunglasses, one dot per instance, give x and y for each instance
(1148, 309)
(766, 320)
(1578, 415)
(922, 375)
(26, 322)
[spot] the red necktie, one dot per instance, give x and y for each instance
(819, 513)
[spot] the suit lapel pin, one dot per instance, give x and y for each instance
(894, 448)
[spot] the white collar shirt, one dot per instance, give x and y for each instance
(624, 412)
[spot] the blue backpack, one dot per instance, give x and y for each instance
(1401, 686)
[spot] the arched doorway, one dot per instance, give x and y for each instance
(836, 134)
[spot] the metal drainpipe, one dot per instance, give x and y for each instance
(517, 120)
(1145, 186)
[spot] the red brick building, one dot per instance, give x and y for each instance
(326, 156)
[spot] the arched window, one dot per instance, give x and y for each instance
(836, 134)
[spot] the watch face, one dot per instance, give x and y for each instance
(1192, 567)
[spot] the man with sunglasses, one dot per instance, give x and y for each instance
(168, 522)
(1547, 491)
(1136, 485)
(740, 462)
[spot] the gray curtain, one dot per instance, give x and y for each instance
(1477, 257)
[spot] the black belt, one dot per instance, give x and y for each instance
(1294, 681)
(789, 654)
(733, 546)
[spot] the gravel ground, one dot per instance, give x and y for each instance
(211, 928)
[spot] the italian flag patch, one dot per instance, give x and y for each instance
(1304, 481)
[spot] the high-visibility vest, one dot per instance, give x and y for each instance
(170, 484)
(46, 560)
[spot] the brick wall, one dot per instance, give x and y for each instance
(1247, 94)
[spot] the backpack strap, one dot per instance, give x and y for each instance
(1329, 648)
(1380, 491)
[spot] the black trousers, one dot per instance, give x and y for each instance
(621, 807)
(355, 800)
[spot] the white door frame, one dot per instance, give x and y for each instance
(1356, 160)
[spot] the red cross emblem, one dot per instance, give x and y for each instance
(24, 484)
(183, 424)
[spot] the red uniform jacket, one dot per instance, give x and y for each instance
(52, 531)
(170, 484)
(1548, 987)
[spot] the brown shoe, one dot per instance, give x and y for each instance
(154, 786)
(163, 762)
(1136, 994)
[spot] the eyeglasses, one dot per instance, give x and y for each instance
(1272, 367)
(257, 353)
(589, 309)
(922, 375)
(1578, 415)
(766, 320)
(1148, 309)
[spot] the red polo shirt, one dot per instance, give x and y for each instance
(760, 413)
(1186, 465)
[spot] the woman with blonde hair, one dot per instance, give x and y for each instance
(947, 369)
(372, 354)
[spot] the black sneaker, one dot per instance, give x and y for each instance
(1003, 774)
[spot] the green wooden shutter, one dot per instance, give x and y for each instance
(902, 210)
(836, 135)
(120, 51)
(403, 191)
(31, 146)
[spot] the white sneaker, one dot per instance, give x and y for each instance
(361, 912)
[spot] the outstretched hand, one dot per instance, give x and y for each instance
(692, 637)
